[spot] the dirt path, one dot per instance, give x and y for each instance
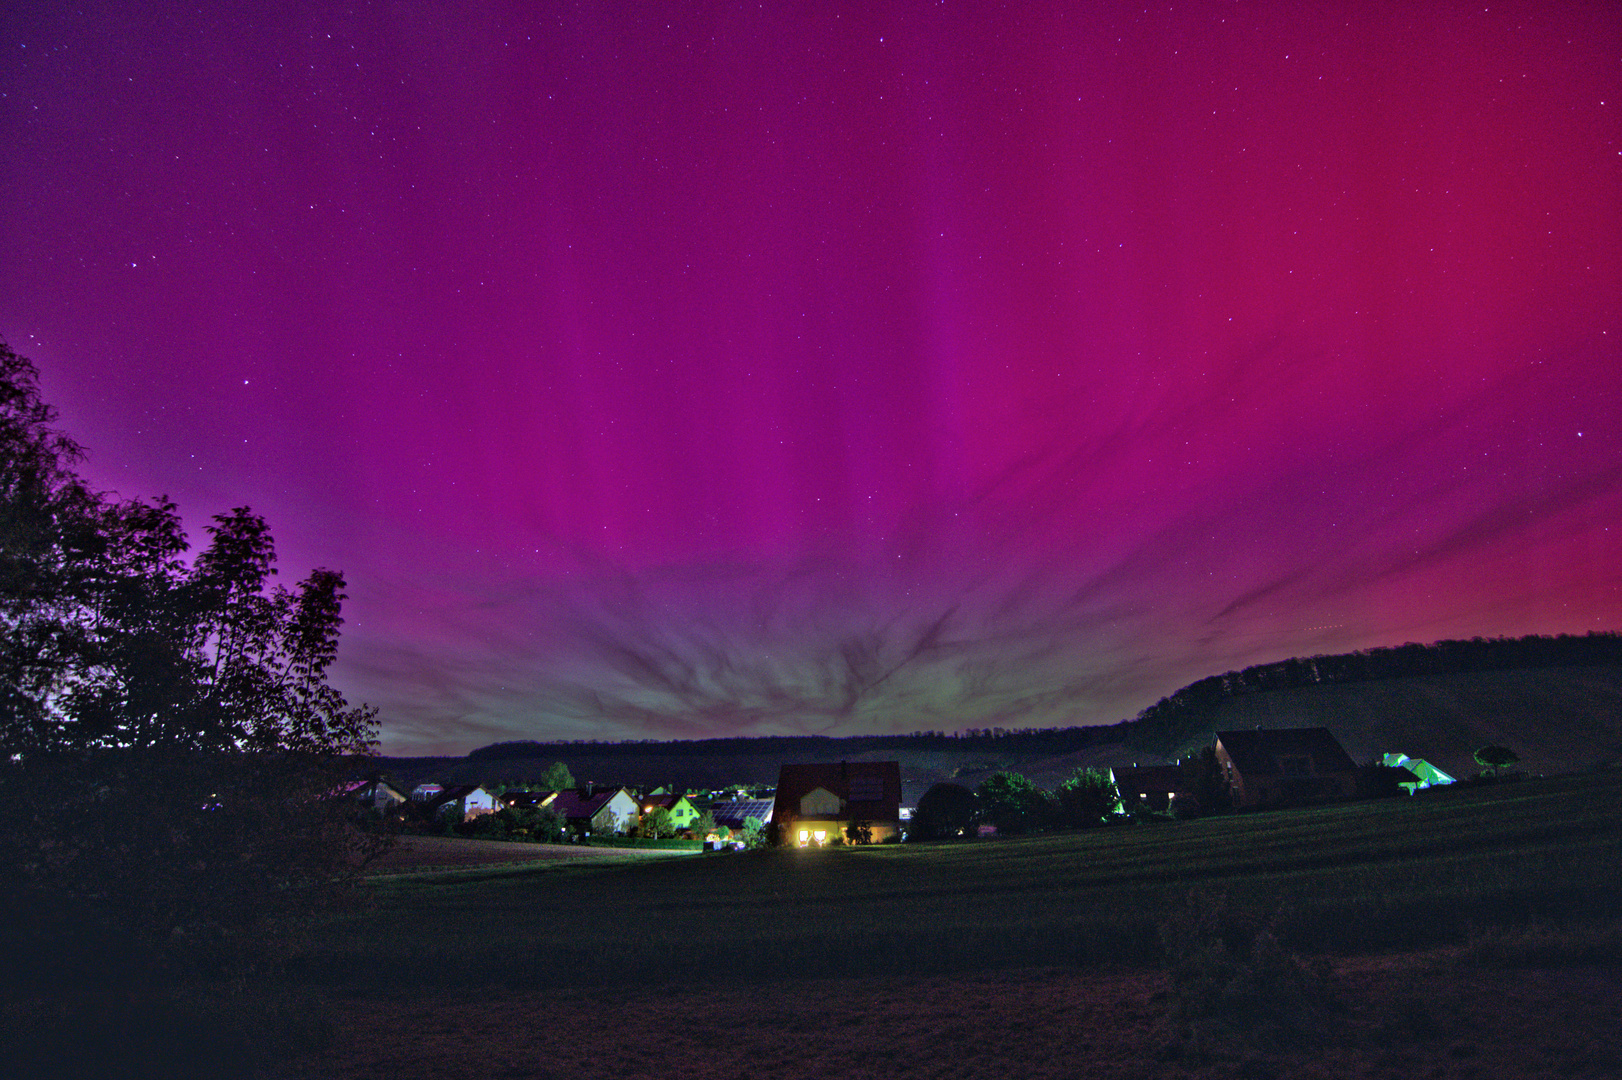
(412, 853)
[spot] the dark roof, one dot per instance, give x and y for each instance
(868, 790)
(447, 795)
(583, 803)
(1142, 779)
(732, 812)
(525, 800)
(1256, 752)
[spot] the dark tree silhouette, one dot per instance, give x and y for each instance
(1087, 797)
(1013, 803)
(1495, 759)
(168, 739)
(944, 811)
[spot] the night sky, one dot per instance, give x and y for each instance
(664, 371)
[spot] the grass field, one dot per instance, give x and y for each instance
(1461, 933)
(1344, 879)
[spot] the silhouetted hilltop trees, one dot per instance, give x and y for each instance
(1174, 721)
(821, 747)
(1165, 729)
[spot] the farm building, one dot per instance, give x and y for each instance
(1425, 774)
(816, 803)
(1149, 787)
(1285, 767)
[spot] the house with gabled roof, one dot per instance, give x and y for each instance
(597, 810)
(1149, 787)
(463, 802)
(682, 812)
(817, 803)
(735, 813)
(378, 794)
(518, 799)
(1285, 766)
(1424, 773)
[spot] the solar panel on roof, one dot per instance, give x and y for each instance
(866, 788)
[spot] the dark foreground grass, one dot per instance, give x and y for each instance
(1516, 876)
(1442, 868)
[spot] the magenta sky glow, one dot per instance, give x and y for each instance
(698, 368)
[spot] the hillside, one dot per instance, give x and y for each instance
(755, 762)
(1556, 701)
(1558, 720)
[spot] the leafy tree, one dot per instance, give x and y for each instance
(859, 832)
(656, 824)
(1205, 780)
(547, 825)
(169, 746)
(754, 832)
(1086, 798)
(702, 825)
(1012, 802)
(1495, 759)
(944, 811)
(556, 778)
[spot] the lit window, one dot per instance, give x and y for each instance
(821, 836)
(804, 837)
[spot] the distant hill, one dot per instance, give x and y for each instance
(1557, 701)
(925, 758)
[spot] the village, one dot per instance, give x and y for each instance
(861, 802)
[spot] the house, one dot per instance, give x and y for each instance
(1425, 774)
(379, 795)
(682, 812)
(1150, 787)
(734, 813)
(464, 802)
(597, 809)
(527, 800)
(1283, 767)
(426, 792)
(816, 803)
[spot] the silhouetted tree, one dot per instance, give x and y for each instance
(1495, 759)
(944, 811)
(169, 746)
(1012, 803)
(1204, 779)
(655, 824)
(1087, 797)
(556, 778)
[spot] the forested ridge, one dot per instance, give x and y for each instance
(1160, 729)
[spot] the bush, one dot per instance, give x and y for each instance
(1087, 797)
(1232, 983)
(215, 859)
(1013, 803)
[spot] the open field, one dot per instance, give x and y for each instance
(1463, 933)
(419, 854)
(1354, 878)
